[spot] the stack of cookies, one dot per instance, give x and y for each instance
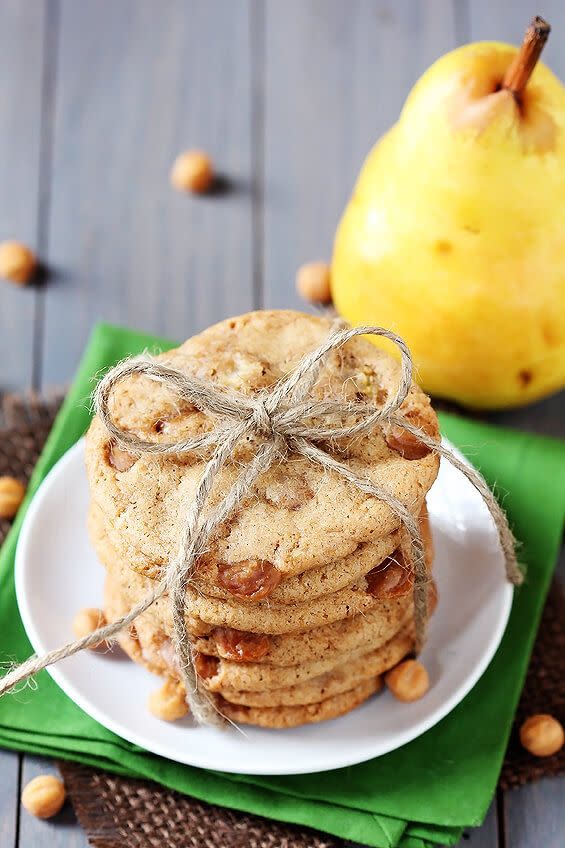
(303, 599)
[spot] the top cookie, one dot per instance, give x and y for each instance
(298, 515)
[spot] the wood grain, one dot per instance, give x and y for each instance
(506, 20)
(136, 85)
(485, 836)
(9, 797)
(62, 831)
(534, 815)
(21, 70)
(96, 99)
(336, 76)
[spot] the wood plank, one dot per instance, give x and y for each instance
(9, 798)
(534, 814)
(63, 831)
(337, 75)
(137, 83)
(485, 836)
(21, 65)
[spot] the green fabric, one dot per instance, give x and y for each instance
(422, 794)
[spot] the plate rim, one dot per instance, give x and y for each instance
(59, 676)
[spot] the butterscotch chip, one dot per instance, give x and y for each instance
(192, 171)
(206, 667)
(17, 262)
(250, 579)
(409, 681)
(119, 458)
(391, 579)
(12, 493)
(168, 703)
(44, 796)
(87, 621)
(240, 646)
(313, 282)
(407, 444)
(542, 735)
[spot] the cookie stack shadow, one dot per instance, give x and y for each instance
(305, 597)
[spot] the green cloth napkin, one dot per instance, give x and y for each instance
(422, 794)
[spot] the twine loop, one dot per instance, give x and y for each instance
(283, 420)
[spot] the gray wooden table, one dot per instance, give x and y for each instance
(96, 99)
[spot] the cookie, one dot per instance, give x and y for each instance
(340, 679)
(269, 618)
(264, 617)
(153, 627)
(219, 675)
(294, 716)
(315, 583)
(298, 516)
(368, 630)
(149, 642)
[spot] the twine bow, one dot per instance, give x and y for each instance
(285, 422)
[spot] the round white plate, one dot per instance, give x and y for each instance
(57, 574)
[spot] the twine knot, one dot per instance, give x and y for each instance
(285, 422)
(262, 420)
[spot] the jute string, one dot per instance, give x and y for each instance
(285, 423)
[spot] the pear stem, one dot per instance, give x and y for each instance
(520, 71)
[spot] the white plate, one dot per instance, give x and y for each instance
(57, 573)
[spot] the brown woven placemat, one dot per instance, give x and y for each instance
(125, 813)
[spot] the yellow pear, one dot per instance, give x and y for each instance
(454, 236)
